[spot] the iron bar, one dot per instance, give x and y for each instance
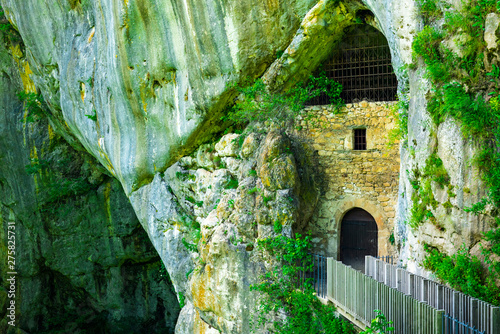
(363, 66)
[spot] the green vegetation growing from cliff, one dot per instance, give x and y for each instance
(257, 104)
(465, 273)
(461, 82)
(466, 87)
(422, 196)
(400, 114)
(283, 289)
(34, 106)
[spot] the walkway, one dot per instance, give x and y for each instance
(416, 305)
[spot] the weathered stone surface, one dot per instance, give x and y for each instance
(215, 213)
(155, 72)
(490, 30)
(228, 145)
(83, 261)
(367, 179)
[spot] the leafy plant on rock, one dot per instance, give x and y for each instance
(283, 291)
(34, 106)
(465, 273)
(257, 103)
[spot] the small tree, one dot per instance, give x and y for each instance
(380, 325)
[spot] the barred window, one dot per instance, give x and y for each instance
(362, 64)
(360, 139)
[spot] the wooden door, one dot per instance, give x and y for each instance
(358, 238)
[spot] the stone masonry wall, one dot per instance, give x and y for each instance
(367, 179)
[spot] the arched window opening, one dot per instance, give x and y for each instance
(362, 64)
(358, 238)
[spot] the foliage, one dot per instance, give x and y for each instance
(182, 300)
(278, 228)
(34, 106)
(232, 184)
(185, 176)
(92, 116)
(193, 201)
(4, 23)
(392, 239)
(252, 190)
(379, 325)
(465, 273)
(190, 247)
(422, 199)
(256, 103)
(435, 170)
(400, 114)
(492, 253)
(283, 290)
(459, 80)
(36, 166)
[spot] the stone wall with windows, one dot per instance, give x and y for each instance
(351, 178)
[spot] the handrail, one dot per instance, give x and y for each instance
(463, 309)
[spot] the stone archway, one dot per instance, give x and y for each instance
(358, 238)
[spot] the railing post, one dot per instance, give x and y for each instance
(455, 308)
(440, 297)
(411, 284)
(439, 322)
(425, 291)
(329, 277)
(495, 320)
(387, 274)
(474, 313)
(399, 280)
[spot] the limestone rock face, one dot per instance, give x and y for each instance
(152, 75)
(153, 72)
(212, 220)
(82, 259)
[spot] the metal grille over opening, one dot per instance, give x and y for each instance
(360, 139)
(362, 64)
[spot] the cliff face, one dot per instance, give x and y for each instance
(82, 259)
(153, 72)
(139, 84)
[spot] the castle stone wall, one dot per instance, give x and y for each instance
(349, 178)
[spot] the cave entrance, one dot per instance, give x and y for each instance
(362, 64)
(358, 238)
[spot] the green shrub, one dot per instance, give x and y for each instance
(278, 228)
(283, 289)
(459, 82)
(429, 8)
(464, 272)
(253, 190)
(379, 325)
(256, 103)
(189, 246)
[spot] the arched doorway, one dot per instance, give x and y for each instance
(358, 238)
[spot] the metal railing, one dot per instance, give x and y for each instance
(319, 275)
(461, 308)
(454, 326)
(356, 296)
(389, 259)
